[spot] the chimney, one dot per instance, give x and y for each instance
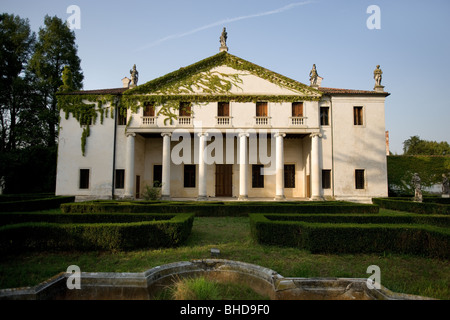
(126, 82)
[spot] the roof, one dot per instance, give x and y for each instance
(97, 92)
(335, 91)
(224, 58)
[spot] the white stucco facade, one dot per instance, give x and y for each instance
(205, 156)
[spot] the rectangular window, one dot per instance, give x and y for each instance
(84, 178)
(359, 179)
(189, 175)
(120, 179)
(358, 116)
(122, 116)
(324, 116)
(257, 177)
(149, 110)
(326, 179)
(223, 109)
(185, 109)
(297, 109)
(289, 176)
(157, 175)
(261, 109)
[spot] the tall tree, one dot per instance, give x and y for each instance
(16, 93)
(416, 146)
(54, 50)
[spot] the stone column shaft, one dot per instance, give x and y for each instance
(202, 195)
(243, 166)
(129, 166)
(315, 166)
(166, 161)
(279, 186)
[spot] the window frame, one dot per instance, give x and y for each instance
(358, 116)
(292, 179)
(191, 180)
(326, 179)
(257, 177)
(119, 179)
(293, 113)
(322, 116)
(185, 109)
(360, 179)
(81, 185)
(266, 105)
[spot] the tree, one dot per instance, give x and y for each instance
(416, 146)
(55, 49)
(16, 90)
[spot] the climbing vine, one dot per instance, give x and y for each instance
(198, 83)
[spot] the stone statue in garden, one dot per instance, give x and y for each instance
(416, 182)
(445, 186)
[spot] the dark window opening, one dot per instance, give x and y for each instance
(326, 179)
(120, 179)
(189, 175)
(157, 175)
(359, 179)
(289, 176)
(84, 178)
(257, 177)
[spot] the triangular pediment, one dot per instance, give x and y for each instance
(225, 74)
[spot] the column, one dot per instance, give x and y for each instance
(202, 196)
(243, 166)
(279, 161)
(165, 184)
(315, 166)
(129, 166)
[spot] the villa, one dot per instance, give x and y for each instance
(224, 128)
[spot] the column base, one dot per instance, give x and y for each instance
(165, 197)
(280, 198)
(243, 198)
(317, 198)
(202, 198)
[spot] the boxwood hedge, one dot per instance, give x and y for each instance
(153, 231)
(403, 204)
(350, 235)
(218, 208)
(30, 203)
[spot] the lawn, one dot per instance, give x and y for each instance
(399, 273)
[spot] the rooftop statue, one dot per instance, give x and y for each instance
(377, 75)
(223, 38)
(313, 76)
(134, 76)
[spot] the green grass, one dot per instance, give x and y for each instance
(399, 273)
(201, 288)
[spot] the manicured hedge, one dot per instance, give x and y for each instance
(210, 208)
(96, 236)
(351, 237)
(401, 204)
(36, 204)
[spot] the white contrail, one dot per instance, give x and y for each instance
(226, 21)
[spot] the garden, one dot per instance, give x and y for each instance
(297, 239)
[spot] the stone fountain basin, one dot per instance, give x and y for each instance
(145, 285)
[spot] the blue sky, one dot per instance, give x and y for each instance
(286, 36)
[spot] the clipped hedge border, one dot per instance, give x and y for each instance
(402, 204)
(35, 204)
(45, 236)
(232, 208)
(336, 238)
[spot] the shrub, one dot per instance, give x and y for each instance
(353, 237)
(96, 236)
(35, 204)
(411, 206)
(152, 192)
(232, 208)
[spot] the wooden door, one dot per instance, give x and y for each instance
(224, 183)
